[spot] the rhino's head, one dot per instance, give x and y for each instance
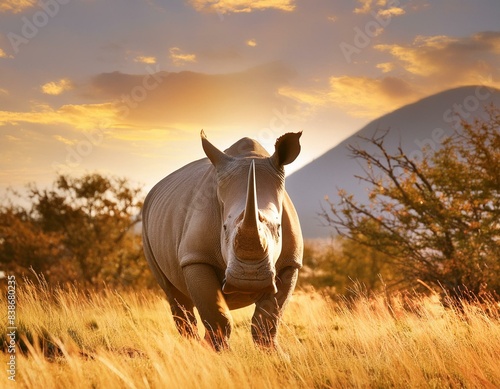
(250, 190)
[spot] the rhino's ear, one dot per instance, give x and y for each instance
(286, 148)
(216, 156)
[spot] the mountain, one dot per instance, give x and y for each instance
(414, 126)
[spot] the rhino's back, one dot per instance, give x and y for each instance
(180, 221)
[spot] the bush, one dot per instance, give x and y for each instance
(344, 266)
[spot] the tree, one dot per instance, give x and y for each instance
(81, 229)
(439, 218)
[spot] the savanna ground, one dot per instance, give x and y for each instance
(109, 339)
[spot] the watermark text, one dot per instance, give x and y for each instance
(11, 336)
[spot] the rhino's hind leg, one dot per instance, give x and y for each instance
(183, 312)
(182, 309)
(206, 293)
(181, 306)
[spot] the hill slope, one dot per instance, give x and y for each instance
(414, 126)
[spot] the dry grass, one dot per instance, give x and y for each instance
(128, 340)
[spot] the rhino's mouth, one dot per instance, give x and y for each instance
(232, 284)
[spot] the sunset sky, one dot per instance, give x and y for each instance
(124, 87)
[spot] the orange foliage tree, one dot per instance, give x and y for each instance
(82, 229)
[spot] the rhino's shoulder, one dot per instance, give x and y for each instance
(191, 180)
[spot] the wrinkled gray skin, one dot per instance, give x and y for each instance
(221, 233)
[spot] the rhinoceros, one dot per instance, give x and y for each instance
(221, 233)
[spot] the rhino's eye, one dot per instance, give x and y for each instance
(225, 227)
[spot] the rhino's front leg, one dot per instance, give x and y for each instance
(205, 290)
(269, 309)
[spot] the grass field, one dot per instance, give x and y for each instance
(70, 339)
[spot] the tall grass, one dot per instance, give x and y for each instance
(72, 339)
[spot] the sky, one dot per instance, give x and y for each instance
(123, 87)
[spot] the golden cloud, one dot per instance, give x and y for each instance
(368, 97)
(417, 58)
(310, 98)
(365, 6)
(82, 117)
(145, 59)
(383, 8)
(16, 6)
(452, 60)
(64, 140)
(392, 11)
(386, 67)
(433, 64)
(184, 99)
(157, 105)
(251, 42)
(358, 96)
(179, 58)
(228, 6)
(150, 135)
(3, 54)
(57, 87)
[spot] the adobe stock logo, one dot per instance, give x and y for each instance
(31, 26)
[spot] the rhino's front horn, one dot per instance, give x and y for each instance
(251, 215)
(248, 243)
